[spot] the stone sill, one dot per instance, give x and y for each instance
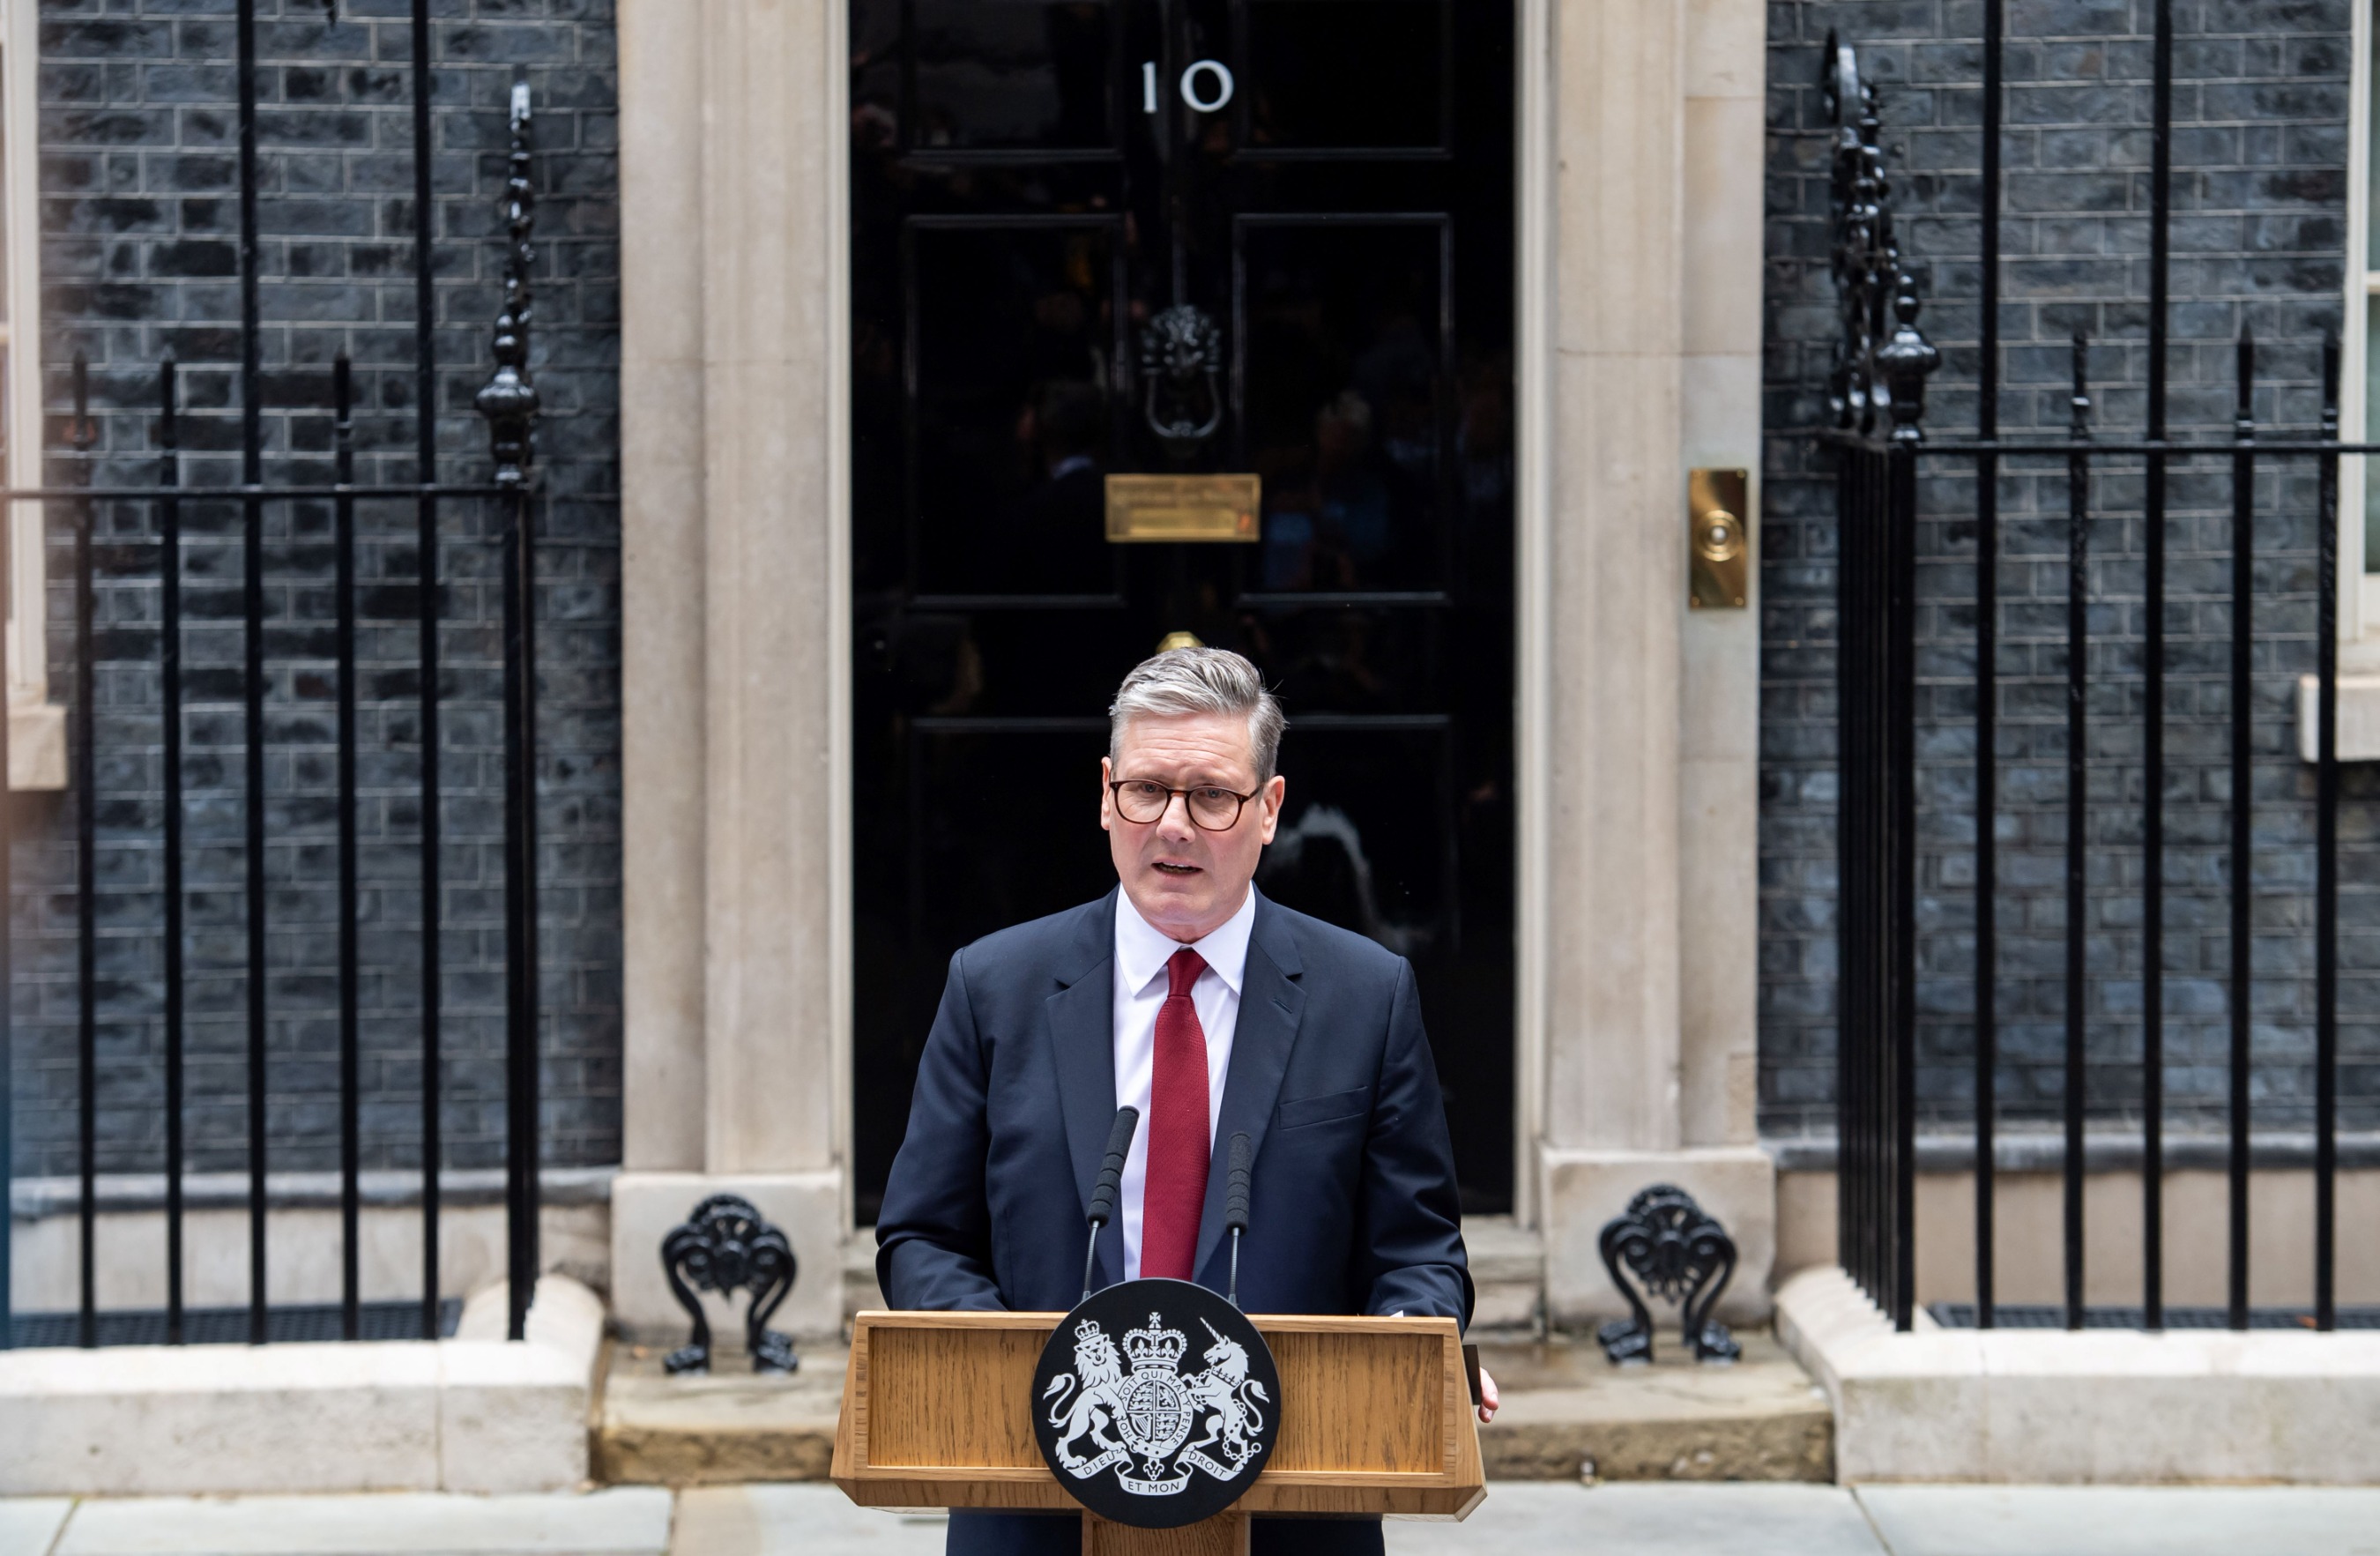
(37, 745)
(36, 1198)
(2359, 717)
(474, 1414)
(2101, 1406)
(2104, 1150)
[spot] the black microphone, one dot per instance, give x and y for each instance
(1103, 1197)
(1235, 1207)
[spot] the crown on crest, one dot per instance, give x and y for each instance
(1154, 1346)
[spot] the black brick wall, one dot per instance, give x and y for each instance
(140, 222)
(2258, 234)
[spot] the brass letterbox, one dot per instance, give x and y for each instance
(1183, 507)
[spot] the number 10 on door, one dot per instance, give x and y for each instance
(1207, 86)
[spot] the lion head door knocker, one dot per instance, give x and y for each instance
(1679, 1253)
(728, 1245)
(1182, 378)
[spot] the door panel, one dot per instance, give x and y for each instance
(1299, 55)
(1009, 75)
(1000, 825)
(1365, 841)
(1022, 220)
(1003, 825)
(1015, 328)
(1342, 329)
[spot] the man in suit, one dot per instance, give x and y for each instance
(1186, 994)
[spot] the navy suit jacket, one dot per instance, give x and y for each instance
(1352, 1207)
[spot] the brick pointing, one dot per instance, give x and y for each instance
(139, 224)
(2258, 236)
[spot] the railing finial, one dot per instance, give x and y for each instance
(508, 400)
(1881, 359)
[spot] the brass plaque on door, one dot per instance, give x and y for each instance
(1183, 507)
(1718, 540)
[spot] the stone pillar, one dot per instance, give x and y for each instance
(734, 605)
(1645, 273)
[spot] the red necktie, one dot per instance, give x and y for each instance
(1174, 1193)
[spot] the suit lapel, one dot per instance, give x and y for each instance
(1271, 1004)
(1082, 1044)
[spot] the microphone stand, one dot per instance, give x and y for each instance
(1103, 1197)
(1235, 1207)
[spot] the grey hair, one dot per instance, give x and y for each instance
(1200, 680)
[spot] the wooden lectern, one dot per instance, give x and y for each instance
(1376, 1418)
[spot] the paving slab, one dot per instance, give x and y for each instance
(1543, 1519)
(1518, 1519)
(29, 1525)
(2125, 1520)
(626, 1522)
(797, 1520)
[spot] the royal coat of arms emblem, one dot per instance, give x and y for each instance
(1170, 1426)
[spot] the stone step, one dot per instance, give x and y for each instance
(717, 1429)
(1569, 1413)
(1566, 1413)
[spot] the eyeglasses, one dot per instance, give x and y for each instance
(1211, 807)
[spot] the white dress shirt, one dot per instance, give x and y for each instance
(1141, 985)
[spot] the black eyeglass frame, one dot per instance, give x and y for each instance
(1116, 788)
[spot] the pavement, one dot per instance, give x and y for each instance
(1531, 1518)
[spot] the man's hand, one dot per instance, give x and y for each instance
(1488, 1403)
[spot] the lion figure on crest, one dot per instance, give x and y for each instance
(1090, 1411)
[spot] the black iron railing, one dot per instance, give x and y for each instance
(1878, 399)
(509, 405)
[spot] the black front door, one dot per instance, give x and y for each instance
(1268, 237)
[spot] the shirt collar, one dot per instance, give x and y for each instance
(1141, 951)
